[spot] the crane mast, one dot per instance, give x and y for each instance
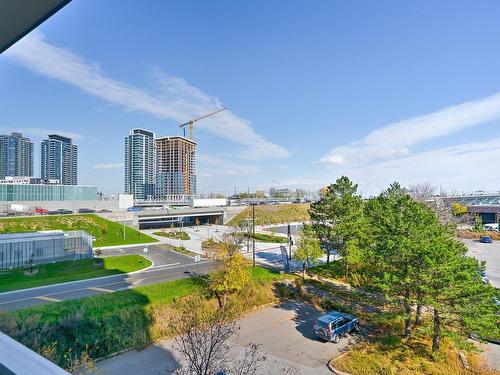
(190, 125)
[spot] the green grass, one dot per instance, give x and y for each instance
(106, 233)
(262, 237)
(273, 214)
(108, 323)
(332, 270)
(177, 235)
(107, 305)
(70, 271)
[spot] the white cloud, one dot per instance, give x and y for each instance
(109, 166)
(214, 166)
(465, 167)
(394, 140)
(176, 100)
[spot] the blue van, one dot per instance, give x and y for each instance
(330, 326)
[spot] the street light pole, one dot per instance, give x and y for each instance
(253, 233)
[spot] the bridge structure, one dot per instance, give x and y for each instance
(475, 199)
(165, 218)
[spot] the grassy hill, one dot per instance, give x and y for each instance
(273, 214)
(106, 233)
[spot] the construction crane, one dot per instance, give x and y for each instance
(190, 123)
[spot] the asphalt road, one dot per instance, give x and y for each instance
(167, 265)
(283, 333)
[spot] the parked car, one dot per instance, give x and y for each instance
(333, 324)
(86, 211)
(485, 239)
(484, 277)
(104, 210)
(134, 209)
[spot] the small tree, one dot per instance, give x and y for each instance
(308, 249)
(203, 335)
(458, 209)
(455, 291)
(338, 221)
(233, 271)
(478, 224)
(31, 261)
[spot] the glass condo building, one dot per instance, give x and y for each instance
(140, 163)
(16, 155)
(59, 160)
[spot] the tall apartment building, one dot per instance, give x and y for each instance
(140, 163)
(16, 155)
(59, 160)
(175, 166)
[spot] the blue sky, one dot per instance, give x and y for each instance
(379, 91)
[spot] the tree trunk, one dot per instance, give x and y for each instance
(407, 308)
(304, 270)
(418, 312)
(437, 327)
(217, 295)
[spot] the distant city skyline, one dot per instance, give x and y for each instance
(377, 91)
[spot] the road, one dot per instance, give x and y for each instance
(167, 265)
(284, 335)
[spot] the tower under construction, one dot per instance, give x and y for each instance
(175, 166)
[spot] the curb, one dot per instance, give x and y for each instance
(125, 246)
(332, 368)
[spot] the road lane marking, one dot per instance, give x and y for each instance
(203, 266)
(46, 298)
(100, 289)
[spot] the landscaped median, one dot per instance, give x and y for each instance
(97, 326)
(71, 270)
(175, 235)
(105, 232)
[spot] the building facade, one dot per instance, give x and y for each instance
(140, 163)
(175, 166)
(59, 160)
(18, 249)
(16, 155)
(46, 192)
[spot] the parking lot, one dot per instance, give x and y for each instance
(490, 253)
(284, 334)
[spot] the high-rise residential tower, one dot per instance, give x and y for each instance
(59, 159)
(140, 163)
(16, 155)
(175, 166)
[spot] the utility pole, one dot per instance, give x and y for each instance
(289, 241)
(253, 232)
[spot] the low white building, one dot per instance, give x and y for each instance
(16, 249)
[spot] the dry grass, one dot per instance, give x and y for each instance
(471, 235)
(274, 214)
(390, 356)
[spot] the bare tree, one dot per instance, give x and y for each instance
(203, 341)
(426, 193)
